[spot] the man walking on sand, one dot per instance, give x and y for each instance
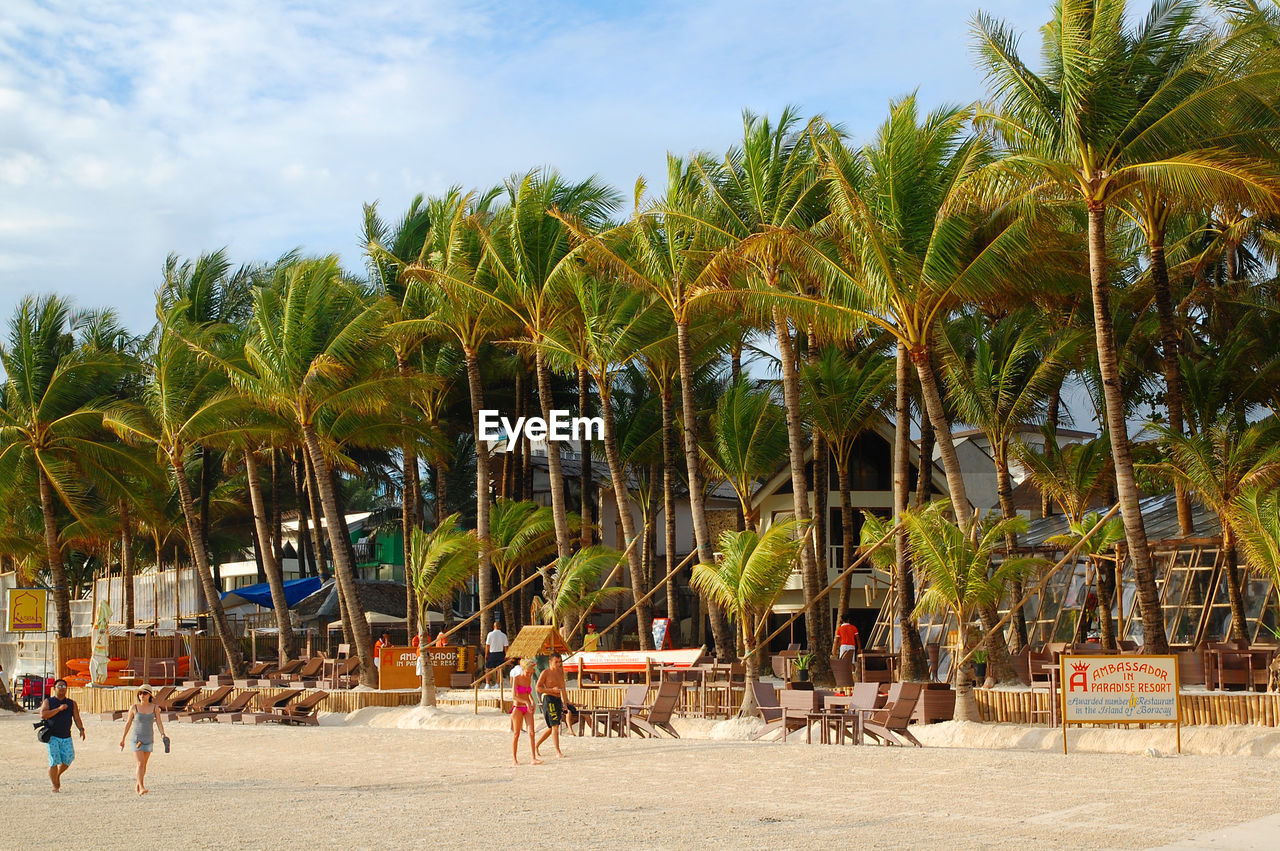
(60, 711)
(551, 688)
(495, 652)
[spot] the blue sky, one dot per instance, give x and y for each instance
(130, 130)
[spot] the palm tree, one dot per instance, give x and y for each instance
(745, 580)
(183, 403)
(1219, 465)
(439, 563)
(1079, 130)
(311, 354)
(1255, 517)
(1074, 476)
(51, 434)
(749, 440)
(956, 562)
(1095, 548)
(576, 584)
(529, 252)
(844, 396)
(1000, 374)
(523, 535)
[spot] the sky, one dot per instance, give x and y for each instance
(131, 130)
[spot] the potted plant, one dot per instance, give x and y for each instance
(979, 665)
(801, 666)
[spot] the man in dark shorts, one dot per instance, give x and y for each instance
(551, 687)
(496, 644)
(60, 711)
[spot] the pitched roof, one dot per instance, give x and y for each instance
(537, 641)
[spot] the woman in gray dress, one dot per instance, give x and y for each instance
(143, 718)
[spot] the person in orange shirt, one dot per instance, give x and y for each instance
(442, 640)
(846, 638)
(384, 641)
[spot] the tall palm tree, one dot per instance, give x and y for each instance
(1000, 374)
(51, 434)
(745, 580)
(311, 354)
(844, 396)
(1096, 546)
(1079, 130)
(524, 537)
(439, 563)
(749, 440)
(956, 560)
(1219, 465)
(529, 252)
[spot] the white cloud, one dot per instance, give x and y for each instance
(131, 130)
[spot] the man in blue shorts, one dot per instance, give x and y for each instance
(60, 711)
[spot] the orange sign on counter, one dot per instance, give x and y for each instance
(399, 665)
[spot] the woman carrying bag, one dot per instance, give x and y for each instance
(143, 718)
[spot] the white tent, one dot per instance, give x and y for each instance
(381, 620)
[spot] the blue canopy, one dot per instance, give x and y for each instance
(294, 590)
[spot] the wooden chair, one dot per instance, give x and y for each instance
(235, 710)
(310, 671)
(302, 712)
(201, 704)
(177, 701)
(1233, 667)
(117, 714)
(889, 725)
(658, 716)
(784, 710)
(842, 670)
(216, 711)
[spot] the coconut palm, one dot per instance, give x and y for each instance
(576, 584)
(749, 441)
(1255, 517)
(748, 575)
(311, 354)
(1097, 544)
(1082, 130)
(956, 563)
(528, 251)
(439, 563)
(523, 536)
(51, 435)
(1000, 374)
(844, 396)
(1220, 464)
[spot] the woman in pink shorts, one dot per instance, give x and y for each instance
(522, 711)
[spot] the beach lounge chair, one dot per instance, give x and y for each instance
(117, 714)
(302, 712)
(211, 710)
(658, 716)
(177, 701)
(234, 710)
(348, 673)
(784, 710)
(889, 725)
(202, 704)
(310, 671)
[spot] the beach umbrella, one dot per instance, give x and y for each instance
(100, 657)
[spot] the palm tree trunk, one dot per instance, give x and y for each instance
(720, 632)
(213, 599)
(343, 568)
(749, 708)
(1155, 639)
(584, 478)
(622, 499)
(317, 515)
(1235, 596)
(817, 618)
(1051, 419)
(428, 695)
(277, 535)
(924, 481)
(482, 491)
(669, 501)
(922, 357)
(559, 514)
(966, 703)
(53, 557)
(275, 576)
(207, 460)
(409, 521)
(1106, 597)
(1169, 361)
(126, 562)
(306, 552)
(821, 487)
(1004, 490)
(848, 542)
(911, 655)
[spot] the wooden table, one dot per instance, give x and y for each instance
(835, 720)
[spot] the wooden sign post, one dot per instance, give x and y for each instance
(1120, 690)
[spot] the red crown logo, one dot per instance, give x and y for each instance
(1080, 667)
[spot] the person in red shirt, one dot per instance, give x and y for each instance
(384, 641)
(847, 640)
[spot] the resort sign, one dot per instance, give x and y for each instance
(1119, 690)
(28, 609)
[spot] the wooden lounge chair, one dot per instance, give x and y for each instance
(232, 711)
(117, 714)
(286, 671)
(310, 671)
(784, 710)
(658, 716)
(210, 710)
(302, 712)
(201, 704)
(889, 725)
(177, 701)
(348, 672)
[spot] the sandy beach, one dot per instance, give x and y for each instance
(403, 778)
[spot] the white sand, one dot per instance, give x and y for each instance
(412, 777)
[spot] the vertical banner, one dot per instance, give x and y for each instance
(28, 609)
(660, 629)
